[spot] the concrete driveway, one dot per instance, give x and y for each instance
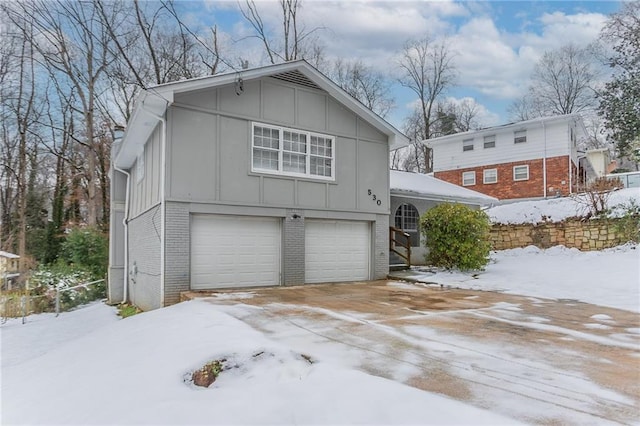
(534, 360)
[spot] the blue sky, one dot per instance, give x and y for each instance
(497, 43)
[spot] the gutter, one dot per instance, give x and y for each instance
(125, 221)
(445, 198)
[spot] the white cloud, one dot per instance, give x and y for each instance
(498, 63)
(494, 58)
(485, 60)
(559, 29)
(376, 31)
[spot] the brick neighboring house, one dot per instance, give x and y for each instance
(528, 159)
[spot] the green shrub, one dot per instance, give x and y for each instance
(456, 236)
(45, 280)
(87, 248)
(628, 221)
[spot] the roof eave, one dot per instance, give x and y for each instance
(396, 138)
(149, 109)
(447, 198)
(553, 118)
(152, 104)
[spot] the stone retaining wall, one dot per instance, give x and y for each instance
(595, 234)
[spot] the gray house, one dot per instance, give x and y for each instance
(412, 194)
(263, 177)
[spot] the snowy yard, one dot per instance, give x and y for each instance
(529, 352)
(90, 367)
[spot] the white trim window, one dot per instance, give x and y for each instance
(468, 178)
(280, 150)
(467, 145)
(520, 136)
(521, 173)
(490, 176)
(490, 141)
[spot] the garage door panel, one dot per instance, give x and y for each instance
(336, 251)
(230, 251)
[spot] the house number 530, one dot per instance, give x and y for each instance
(374, 197)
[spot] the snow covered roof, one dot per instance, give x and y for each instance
(151, 104)
(8, 255)
(419, 185)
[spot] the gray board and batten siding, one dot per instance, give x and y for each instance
(208, 172)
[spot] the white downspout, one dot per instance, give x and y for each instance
(163, 141)
(125, 223)
(571, 148)
(570, 171)
(544, 160)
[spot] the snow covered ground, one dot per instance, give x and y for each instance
(608, 277)
(135, 371)
(89, 366)
(558, 209)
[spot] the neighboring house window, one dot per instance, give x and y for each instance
(490, 176)
(468, 178)
(292, 152)
(407, 219)
(467, 145)
(521, 173)
(490, 141)
(520, 136)
(140, 167)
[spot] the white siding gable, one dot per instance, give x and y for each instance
(543, 139)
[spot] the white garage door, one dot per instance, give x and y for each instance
(232, 251)
(336, 250)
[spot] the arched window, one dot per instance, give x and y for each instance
(407, 219)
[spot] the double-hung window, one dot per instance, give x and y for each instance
(467, 145)
(468, 178)
(490, 176)
(521, 172)
(490, 141)
(520, 136)
(292, 152)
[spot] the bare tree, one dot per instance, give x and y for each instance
(75, 49)
(8, 145)
(562, 83)
(466, 113)
(292, 41)
(428, 70)
(21, 111)
(521, 109)
(363, 83)
(151, 44)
